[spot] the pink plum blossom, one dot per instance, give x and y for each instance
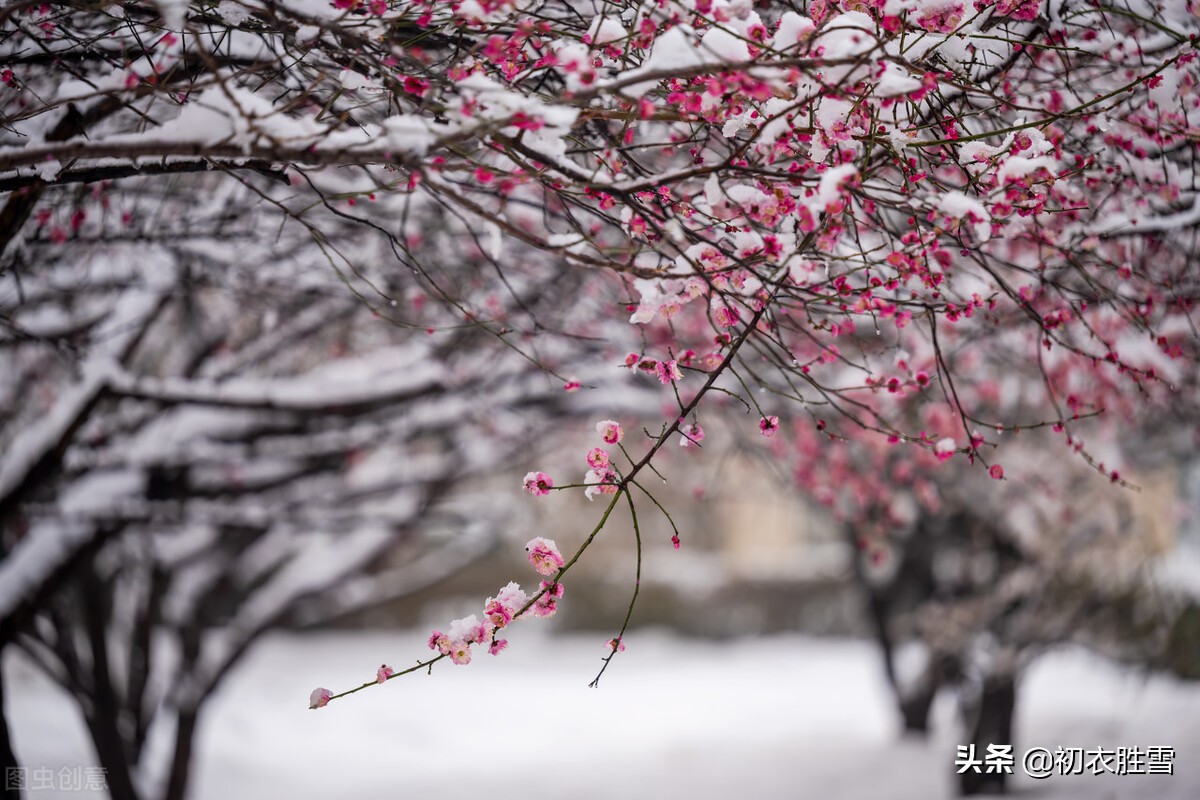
(538, 483)
(690, 434)
(768, 426)
(463, 633)
(615, 645)
(599, 481)
(496, 647)
(497, 612)
(544, 555)
(667, 371)
(598, 458)
(470, 630)
(502, 608)
(440, 642)
(725, 316)
(610, 431)
(383, 673)
(547, 604)
(460, 653)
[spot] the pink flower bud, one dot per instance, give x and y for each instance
(319, 698)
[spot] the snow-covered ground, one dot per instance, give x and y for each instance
(785, 717)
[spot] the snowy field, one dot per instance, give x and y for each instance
(782, 717)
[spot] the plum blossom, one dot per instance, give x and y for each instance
(383, 673)
(547, 604)
(668, 371)
(470, 630)
(599, 481)
(1017, 9)
(319, 698)
(942, 18)
(502, 608)
(538, 484)
(690, 434)
(598, 458)
(944, 449)
(996, 471)
(499, 614)
(457, 642)
(768, 426)
(725, 315)
(610, 431)
(499, 611)
(615, 645)
(460, 653)
(544, 555)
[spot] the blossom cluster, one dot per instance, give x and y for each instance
(601, 478)
(499, 612)
(510, 603)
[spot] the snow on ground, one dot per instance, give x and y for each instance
(783, 717)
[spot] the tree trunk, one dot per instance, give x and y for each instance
(916, 701)
(992, 726)
(102, 719)
(12, 790)
(110, 751)
(181, 759)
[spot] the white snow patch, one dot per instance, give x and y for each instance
(672, 718)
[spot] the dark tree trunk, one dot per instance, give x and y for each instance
(992, 726)
(913, 702)
(112, 748)
(12, 790)
(181, 759)
(916, 701)
(110, 751)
